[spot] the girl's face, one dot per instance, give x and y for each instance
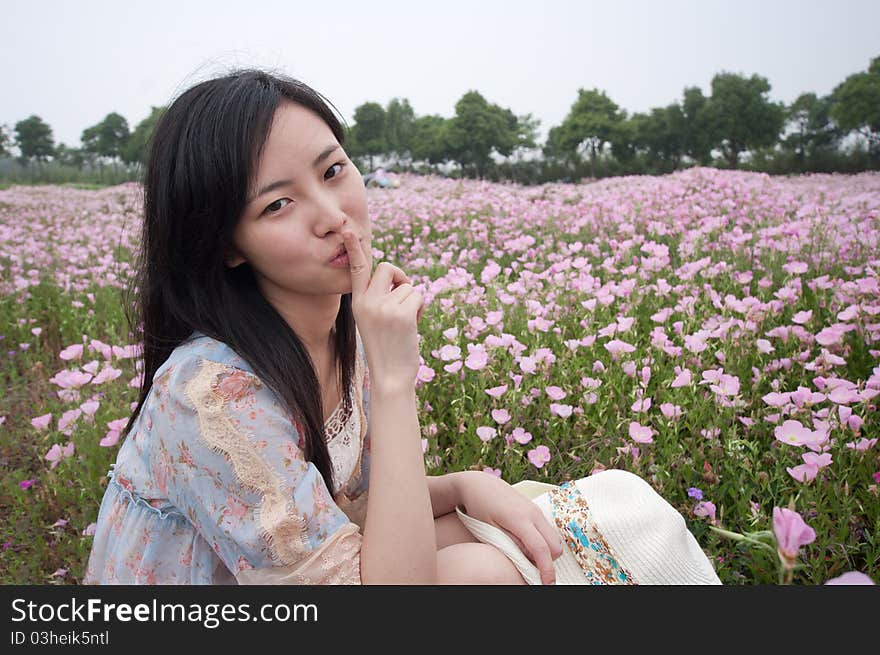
(306, 189)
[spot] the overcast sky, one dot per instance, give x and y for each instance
(72, 62)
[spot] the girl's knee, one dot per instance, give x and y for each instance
(475, 563)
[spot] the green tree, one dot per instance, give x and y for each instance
(107, 139)
(429, 139)
(555, 149)
(661, 135)
(700, 133)
(33, 137)
(135, 149)
(5, 141)
(593, 121)
(480, 128)
(630, 138)
(812, 129)
(742, 114)
(68, 156)
(399, 122)
(856, 105)
(367, 136)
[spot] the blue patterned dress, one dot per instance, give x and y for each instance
(211, 485)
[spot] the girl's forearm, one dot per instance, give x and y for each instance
(444, 492)
(399, 543)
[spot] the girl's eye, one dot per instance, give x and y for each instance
(276, 206)
(341, 166)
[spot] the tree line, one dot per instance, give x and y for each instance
(736, 126)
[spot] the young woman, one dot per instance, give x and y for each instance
(276, 438)
(279, 379)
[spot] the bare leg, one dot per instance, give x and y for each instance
(462, 559)
(475, 563)
(450, 530)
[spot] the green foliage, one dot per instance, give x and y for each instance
(33, 137)
(399, 125)
(5, 141)
(367, 137)
(736, 118)
(107, 138)
(660, 136)
(699, 135)
(813, 131)
(742, 115)
(429, 137)
(135, 149)
(593, 121)
(480, 128)
(67, 156)
(856, 104)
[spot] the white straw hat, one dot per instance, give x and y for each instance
(617, 530)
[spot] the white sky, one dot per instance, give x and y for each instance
(72, 62)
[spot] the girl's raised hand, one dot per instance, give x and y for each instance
(386, 309)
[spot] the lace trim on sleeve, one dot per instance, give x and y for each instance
(337, 561)
(283, 529)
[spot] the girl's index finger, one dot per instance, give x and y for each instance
(357, 263)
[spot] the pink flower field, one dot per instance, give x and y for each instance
(716, 332)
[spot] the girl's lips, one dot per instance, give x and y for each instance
(339, 251)
(341, 261)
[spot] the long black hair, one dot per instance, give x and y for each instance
(203, 157)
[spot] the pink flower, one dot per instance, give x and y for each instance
(802, 317)
(803, 472)
(521, 436)
(26, 484)
(640, 433)
(705, 508)
(563, 411)
(450, 352)
(454, 367)
(500, 416)
(793, 433)
(114, 433)
(862, 444)
(90, 407)
(791, 533)
(764, 346)
(683, 379)
(670, 411)
(616, 347)
(486, 433)
(495, 392)
(90, 529)
(777, 399)
(72, 352)
(53, 456)
(69, 417)
(539, 456)
(555, 393)
(851, 578)
(819, 461)
(107, 373)
(41, 422)
(491, 471)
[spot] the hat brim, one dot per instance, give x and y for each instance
(626, 533)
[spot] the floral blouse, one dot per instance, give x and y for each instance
(211, 485)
